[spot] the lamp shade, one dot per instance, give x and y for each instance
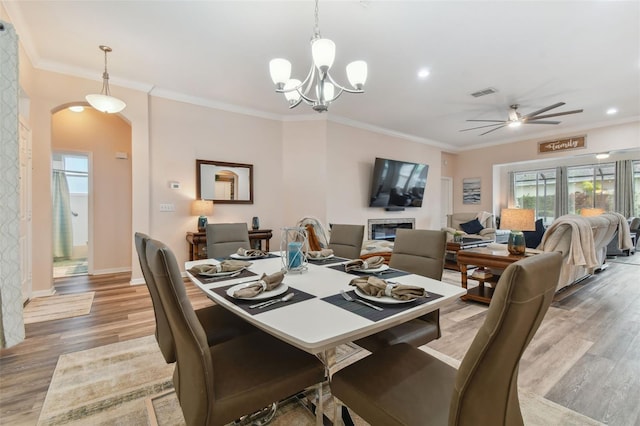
(202, 208)
(357, 74)
(591, 212)
(293, 96)
(518, 219)
(323, 52)
(105, 103)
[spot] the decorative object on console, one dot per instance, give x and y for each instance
(293, 245)
(104, 102)
(323, 52)
(517, 220)
(255, 223)
(224, 183)
(591, 212)
(202, 208)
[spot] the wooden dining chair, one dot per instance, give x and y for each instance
(402, 385)
(219, 324)
(224, 239)
(420, 252)
(217, 384)
(346, 240)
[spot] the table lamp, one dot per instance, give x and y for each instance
(202, 208)
(517, 220)
(591, 212)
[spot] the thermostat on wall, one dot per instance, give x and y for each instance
(174, 185)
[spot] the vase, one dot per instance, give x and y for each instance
(255, 223)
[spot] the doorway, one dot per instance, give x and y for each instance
(71, 212)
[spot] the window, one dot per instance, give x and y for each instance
(591, 186)
(636, 188)
(536, 190)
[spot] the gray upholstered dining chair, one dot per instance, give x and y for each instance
(420, 252)
(346, 240)
(419, 389)
(219, 324)
(224, 239)
(218, 384)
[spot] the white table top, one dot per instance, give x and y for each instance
(315, 325)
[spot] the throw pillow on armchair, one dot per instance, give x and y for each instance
(472, 227)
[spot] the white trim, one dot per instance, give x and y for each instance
(43, 293)
(112, 271)
(137, 281)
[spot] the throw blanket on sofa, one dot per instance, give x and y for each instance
(624, 236)
(582, 248)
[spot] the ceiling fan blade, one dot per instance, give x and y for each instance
(490, 121)
(492, 130)
(575, 111)
(540, 111)
(541, 122)
(482, 127)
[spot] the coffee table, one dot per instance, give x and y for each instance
(451, 255)
(483, 258)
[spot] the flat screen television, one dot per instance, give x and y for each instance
(398, 183)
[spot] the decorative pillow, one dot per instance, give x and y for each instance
(472, 227)
(532, 239)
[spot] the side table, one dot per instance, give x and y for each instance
(483, 258)
(451, 253)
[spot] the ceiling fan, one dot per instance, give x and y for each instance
(516, 119)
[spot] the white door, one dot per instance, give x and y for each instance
(446, 199)
(25, 210)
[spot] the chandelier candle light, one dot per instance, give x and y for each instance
(517, 220)
(104, 102)
(323, 52)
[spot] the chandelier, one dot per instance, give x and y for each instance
(318, 89)
(104, 102)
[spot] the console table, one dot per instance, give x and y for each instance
(483, 258)
(198, 242)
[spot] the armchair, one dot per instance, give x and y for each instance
(456, 220)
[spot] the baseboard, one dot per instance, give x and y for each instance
(111, 271)
(42, 293)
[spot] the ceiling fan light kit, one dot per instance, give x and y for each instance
(323, 52)
(516, 119)
(104, 102)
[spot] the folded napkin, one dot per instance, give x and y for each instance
(314, 254)
(224, 266)
(250, 252)
(265, 283)
(377, 287)
(372, 262)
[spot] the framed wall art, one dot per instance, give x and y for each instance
(471, 191)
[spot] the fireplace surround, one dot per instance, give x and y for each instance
(385, 229)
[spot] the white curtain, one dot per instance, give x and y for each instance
(562, 191)
(11, 322)
(624, 188)
(62, 226)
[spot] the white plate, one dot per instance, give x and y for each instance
(372, 270)
(383, 299)
(264, 295)
(320, 258)
(241, 257)
(222, 274)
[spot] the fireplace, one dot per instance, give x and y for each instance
(385, 229)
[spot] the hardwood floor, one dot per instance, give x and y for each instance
(586, 355)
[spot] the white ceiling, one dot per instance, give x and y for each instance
(535, 53)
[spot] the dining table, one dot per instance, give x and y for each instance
(317, 318)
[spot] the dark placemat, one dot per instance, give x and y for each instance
(212, 280)
(328, 261)
(268, 256)
(387, 273)
(372, 314)
(299, 296)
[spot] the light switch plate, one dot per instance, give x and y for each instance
(167, 207)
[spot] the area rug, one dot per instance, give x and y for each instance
(129, 383)
(58, 307)
(68, 268)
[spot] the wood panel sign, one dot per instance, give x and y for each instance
(576, 142)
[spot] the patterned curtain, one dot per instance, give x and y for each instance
(11, 322)
(62, 226)
(624, 188)
(562, 191)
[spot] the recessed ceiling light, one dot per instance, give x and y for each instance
(423, 73)
(516, 123)
(602, 155)
(612, 111)
(76, 108)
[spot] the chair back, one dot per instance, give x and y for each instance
(486, 385)
(192, 377)
(163, 331)
(224, 239)
(419, 251)
(346, 240)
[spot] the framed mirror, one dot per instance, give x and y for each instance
(224, 183)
